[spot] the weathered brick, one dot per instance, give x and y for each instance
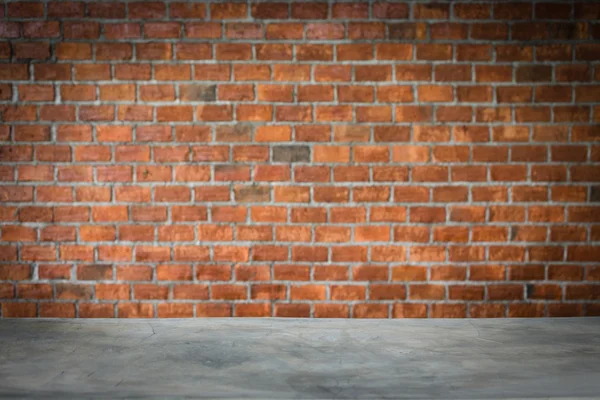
(198, 92)
(291, 154)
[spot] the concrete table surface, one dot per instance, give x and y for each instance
(300, 359)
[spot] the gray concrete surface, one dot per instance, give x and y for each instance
(300, 359)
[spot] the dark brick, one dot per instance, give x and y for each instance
(252, 193)
(595, 194)
(94, 272)
(406, 31)
(291, 154)
(530, 290)
(237, 133)
(534, 73)
(569, 31)
(73, 292)
(198, 92)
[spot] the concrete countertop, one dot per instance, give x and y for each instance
(300, 359)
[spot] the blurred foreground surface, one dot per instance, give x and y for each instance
(284, 358)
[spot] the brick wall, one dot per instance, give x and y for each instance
(346, 159)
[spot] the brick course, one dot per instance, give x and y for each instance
(299, 159)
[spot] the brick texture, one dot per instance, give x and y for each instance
(299, 159)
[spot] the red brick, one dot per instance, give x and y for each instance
(132, 71)
(34, 291)
(449, 31)
(21, 72)
(409, 310)
(501, 253)
(135, 310)
(427, 253)
(69, 291)
(187, 10)
(96, 113)
(112, 291)
(213, 310)
(19, 310)
(292, 310)
(79, 30)
(537, 253)
(75, 174)
(93, 233)
(78, 92)
(370, 311)
(366, 30)
(122, 31)
(25, 9)
(413, 113)
(451, 273)
(426, 292)
(5, 94)
(134, 272)
(431, 11)
(253, 310)
(325, 31)
(10, 30)
(57, 310)
(96, 72)
(448, 310)
(349, 253)
(466, 292)
(92, 310)
(162, 30)
(150, 292)
(57, 113)
(565, 310)
(172, 193)
(390, 10)
(58, 234)
(386, 51)
(472, 11)
(487, 310)
(176, 272)
(252, 272)
(190, 292)
(228, 292)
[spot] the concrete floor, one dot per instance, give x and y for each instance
(282, 358)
